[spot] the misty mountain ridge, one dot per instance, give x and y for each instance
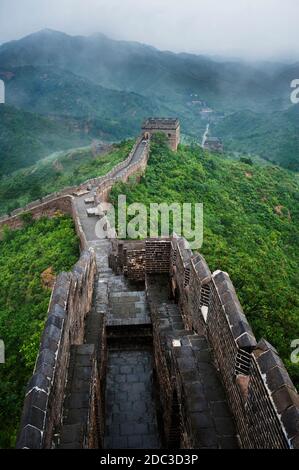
(136, 67)
(107, 87)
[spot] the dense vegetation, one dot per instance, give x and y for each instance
(272, 136)
(56, 172)
(49, 244)
(251, 229)
(27, 137)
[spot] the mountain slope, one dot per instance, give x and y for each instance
(273, 136)
(59, 110)
(57, 171)
(109, 86)
(143, 69)
(27, 137)
(59, 92)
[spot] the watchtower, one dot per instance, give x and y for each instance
(169, 126)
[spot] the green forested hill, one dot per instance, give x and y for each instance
(56, 172)
(54, 91)
(251, 230)
(274, 136)
(48, 110)
(27, 137)
(49, 244)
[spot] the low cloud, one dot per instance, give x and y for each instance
(252, 29)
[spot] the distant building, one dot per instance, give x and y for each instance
(205, 111)
(214, 144)
(169, 126)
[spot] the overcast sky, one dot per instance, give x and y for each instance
(262, 29)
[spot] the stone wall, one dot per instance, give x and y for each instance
(261, 394)
(70, 302)
(64, 331)
(38, 210)
(128, 257)
(157, 256)
(122, 172)
(63, 200)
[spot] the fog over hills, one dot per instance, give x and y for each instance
(107, 87)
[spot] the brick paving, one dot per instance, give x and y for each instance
(130, 407)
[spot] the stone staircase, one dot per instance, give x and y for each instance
(121, 309)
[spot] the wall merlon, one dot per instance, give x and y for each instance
(277, 377)
(30, 438)
(284, 398)
(202, 269)
(55, 320)
(45, 357)
(246, 342)
(241, 329)
(262, 346)
(269, 359)
(290, 419)
(39, 382)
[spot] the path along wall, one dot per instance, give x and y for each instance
(70, 302)
(63, 201)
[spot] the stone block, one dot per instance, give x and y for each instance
(246, 342)
(39, 382)
(57, 311)
(37, 398)
(228, 442)
(30, 438)
(85, 349)
(199, 421)
(45, 357)
(195, 398)
(295, 442)
(53, 332)
(220, 409)
(135, 442)
(278, 377)
(54, 320)
(285, 397)
(290, 419)
(269, 359)
(33, 416)
(201, 269)
(224, 426)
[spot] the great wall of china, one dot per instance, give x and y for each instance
(144, 347)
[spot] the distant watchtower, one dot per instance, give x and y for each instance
(169, 126)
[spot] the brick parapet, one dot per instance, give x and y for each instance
(70, 302)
